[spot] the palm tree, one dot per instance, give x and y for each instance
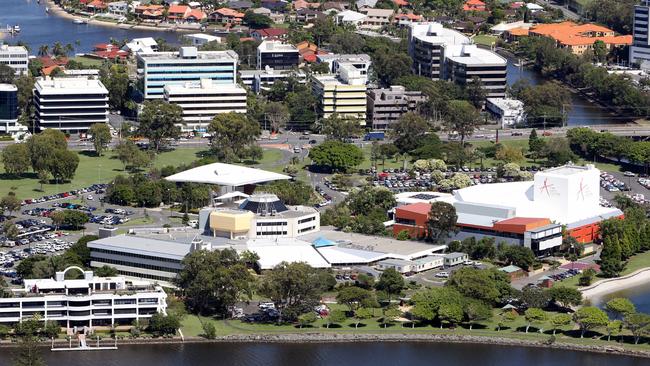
(69, 48)
(57, 49)
(44, 50)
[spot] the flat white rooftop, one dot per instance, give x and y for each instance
(205, 86)
(472, 55)
(276, 46)
(435, 33)
(226, 175)
(70, 85)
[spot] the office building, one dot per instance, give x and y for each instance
(465, 62)
(70, 104)
(203, 100)
(263, 80)
(158, 69)
(387, 106)
(439, 53)
(260, 216)
(87, 302)
(343, 93)
(15, 57)
(9, 110)
(277, 55)
(640, 49)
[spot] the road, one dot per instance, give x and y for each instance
(568, 14)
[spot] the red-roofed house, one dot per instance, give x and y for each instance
(474, 5)
(405, 19)
(149, 11)
(262, 34)
(302, 4)
(177, 12)
(195, 16)
(401, 2)
(96, 6)
(227, 16)
(412, 218)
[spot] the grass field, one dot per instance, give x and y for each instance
(484, 39)
(192, 326)
(93, 169)
(388, 163)
(88, 61)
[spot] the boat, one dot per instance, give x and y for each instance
(16, 29)
(47, 10)
(80, 21)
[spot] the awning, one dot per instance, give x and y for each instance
(323, 242)
(233, 194)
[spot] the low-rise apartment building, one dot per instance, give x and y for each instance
(277, 55)
(343, 93)
(387, 106)
(87, 302)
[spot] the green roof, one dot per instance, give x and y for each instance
(510, 269)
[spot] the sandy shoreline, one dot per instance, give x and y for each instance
(58, 11)
(393, 337)
(607, 286)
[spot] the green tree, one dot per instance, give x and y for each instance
(10, 203)
(257, 21)
(476, 92)
(637, 324)
(586, 277)
(360, 315)
(233, 137)
(307, 319)
(51, 329)
(589, 318)
(450, 313)
(610, 257)
(391, 282)
(106, 271)
(476, 311)
(565, 296)
(428, 302)
(516, 255)
(335, 317)
(535, 297)
(441, 221)
(600, 51)
(7, 74)
(294, 288)
(614, 328)
(214, 280)
(15, 159)
(354, 297)
(336, 156)
(534, 316)
(277, 114)
(462, 118)
(290, 192)
(535, 145)
(74, 219)
(115, 78)
(409, 131)
(101, 136)
(390, 314)
(488, 285)
(160, 121)
(560, 320)
(507, 317)
(557, 151)
(63, 165)
(340, 128)
(209, 330)
(161, 325)
(620, 307)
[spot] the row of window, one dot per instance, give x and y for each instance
(272, 223)
(308, 219)
(136, 265)
(300, 231)
(269, 233)
(145, 275)
(134, 255)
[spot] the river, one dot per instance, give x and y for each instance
(339, 354)
(639, 295)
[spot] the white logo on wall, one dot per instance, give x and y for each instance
(548, 189)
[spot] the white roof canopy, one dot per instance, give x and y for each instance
(226, 175)
(230, 195)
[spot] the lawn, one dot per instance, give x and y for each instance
(138, 221)
(192, 326)
(89, 61)
(93, 169)
(637, 262)
(484, 39)
(387, 163)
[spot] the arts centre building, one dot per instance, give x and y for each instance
(532, 213)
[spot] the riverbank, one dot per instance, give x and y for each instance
(604, 287)
(56, 10)
(315, 337)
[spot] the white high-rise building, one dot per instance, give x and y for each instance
(87, 302)
(203, 100)
(640, 49)
(440, 53)
(15, 57)
(70, 104)
(158, 69)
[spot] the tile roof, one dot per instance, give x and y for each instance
(422, 208)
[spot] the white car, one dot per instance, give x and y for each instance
(442, 274)
(629, 174)
(90, 197)
(468, 263)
